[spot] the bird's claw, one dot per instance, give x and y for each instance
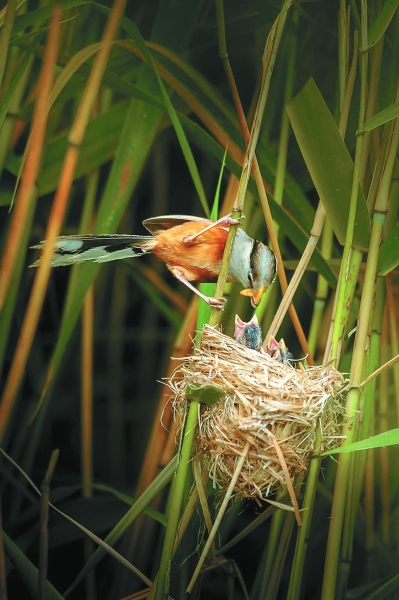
(217, 303)
(231, 221)
(228, 219)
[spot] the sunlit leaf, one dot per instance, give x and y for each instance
(388, 438)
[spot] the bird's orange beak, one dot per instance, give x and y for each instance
(255, 295)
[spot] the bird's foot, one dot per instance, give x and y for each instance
(214, 302)
(217, 303)
(226, 220)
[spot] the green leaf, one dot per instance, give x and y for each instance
(16, 79)
(388, 438)
(388, 257)
(99, 146)
(380, 25)
(329, 163)
(34, 17)
(205, 394)
(389, 113)
(26, 570)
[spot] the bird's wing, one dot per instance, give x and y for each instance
(167, 221)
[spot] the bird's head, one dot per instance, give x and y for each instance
(261, 271)
(248, 334)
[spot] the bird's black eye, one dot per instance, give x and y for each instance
(250, 280)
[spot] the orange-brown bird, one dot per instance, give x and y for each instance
(191, 247)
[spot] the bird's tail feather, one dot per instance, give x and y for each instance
(73, 249)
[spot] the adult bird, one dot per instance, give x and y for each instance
(191, 247)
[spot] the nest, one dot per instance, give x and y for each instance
(273, 407)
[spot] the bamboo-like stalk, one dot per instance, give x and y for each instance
(352, 407)
(318, 219)
(345, 284)
(161, 442)
(44, 516)
(343, 471)
(314, 469)
(383, 408)
(360, 460)
(344, 465)
(30, 174)
(258, 176)
(321, 291)
(20, 216)
(87, 393)
(393, 329)
(268, 61)
(12, 295)
(163, 579)
(5, 34)
(3, 579)
(268, 560)
(59, 206)
(270, 591)
(216, 524)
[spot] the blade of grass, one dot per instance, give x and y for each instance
(26, 570)
(380, 24)
(5, 35)
(60, 201)
(32, 167)
(44, 517)
(20, 216)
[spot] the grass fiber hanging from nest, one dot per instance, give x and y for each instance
(264, 403)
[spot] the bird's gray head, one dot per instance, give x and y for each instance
(254, 265)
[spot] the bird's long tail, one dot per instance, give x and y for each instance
(72, 249)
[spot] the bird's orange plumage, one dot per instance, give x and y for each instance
(197, 260)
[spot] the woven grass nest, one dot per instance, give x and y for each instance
(274, 407)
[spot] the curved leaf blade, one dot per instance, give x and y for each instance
(380, 25)
(329, 163)
(388, 438)
(389, 113)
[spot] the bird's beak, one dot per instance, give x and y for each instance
(239, 326)
(255, 295)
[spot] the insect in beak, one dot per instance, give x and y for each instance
(255, 295)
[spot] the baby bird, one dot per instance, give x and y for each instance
(248, 334)
(279, 351)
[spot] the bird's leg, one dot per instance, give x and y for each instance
(214, 302)
(223, 220)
